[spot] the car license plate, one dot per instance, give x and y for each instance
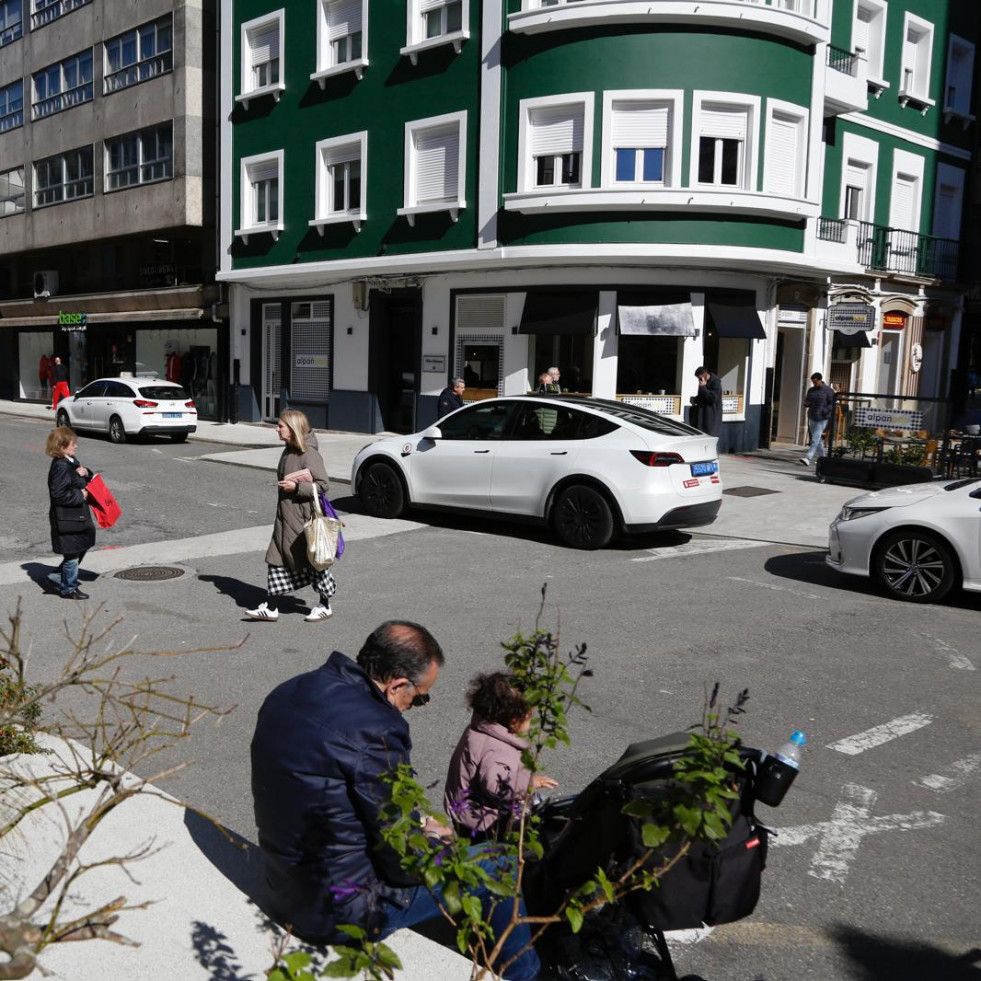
(704, 469)
(172, 415)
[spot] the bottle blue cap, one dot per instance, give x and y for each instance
(798, 737)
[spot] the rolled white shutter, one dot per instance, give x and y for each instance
(343, 154)
(903, 202)
(641, 124)
(724, 122)
(783, 156)
(343, 18)
(263, 170)
(264, 42)
(437, 164)
(556, 129)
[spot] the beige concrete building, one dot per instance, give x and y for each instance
(108, 194)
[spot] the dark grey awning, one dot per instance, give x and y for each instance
(731, 320)
(651, 315)
(859, 339)
(559, 313)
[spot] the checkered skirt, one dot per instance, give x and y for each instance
(280, 580)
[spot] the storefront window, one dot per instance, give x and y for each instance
(728, 357)
(36, 352)
(479, 364)
(188, 357)
(648, 365)
(572, 354)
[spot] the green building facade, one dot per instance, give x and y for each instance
(432, 189)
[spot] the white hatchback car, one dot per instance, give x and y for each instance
(917, 541)
(123, 407)
(589, 467)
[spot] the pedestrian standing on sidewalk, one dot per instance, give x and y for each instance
(707, 404)
(286, 558)
(820, 402)
(59, 378)
(72, 528)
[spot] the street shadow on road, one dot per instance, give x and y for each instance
(810, 568)
(38, 572)
(527, 531)
(876, 958)
(245, 594)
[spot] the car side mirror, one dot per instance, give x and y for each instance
(433, 432)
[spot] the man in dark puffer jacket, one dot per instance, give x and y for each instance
(322, 744)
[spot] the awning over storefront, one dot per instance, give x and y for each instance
(652, 315)
(859, 339)
(734, 320)
(559, 313)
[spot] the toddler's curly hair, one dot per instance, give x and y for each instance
(495, 698)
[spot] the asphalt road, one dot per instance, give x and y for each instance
(873, 875)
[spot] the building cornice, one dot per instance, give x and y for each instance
(869, 122)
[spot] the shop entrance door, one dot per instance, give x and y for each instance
(788, 384)
(393, 379)
(272, 353)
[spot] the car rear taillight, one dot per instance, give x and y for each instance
(145, 404)
(189, 405)
(652, 459)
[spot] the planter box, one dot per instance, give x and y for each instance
(851, 471)
(841, 468)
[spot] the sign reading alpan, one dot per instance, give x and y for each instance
(850, 318)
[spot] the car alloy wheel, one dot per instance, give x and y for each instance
(117, 433)
(61, 419)
(915, 566)
(381, 491)
(583, 518)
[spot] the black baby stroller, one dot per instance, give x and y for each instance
(710, 885)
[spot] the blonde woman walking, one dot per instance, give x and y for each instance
(286, 557)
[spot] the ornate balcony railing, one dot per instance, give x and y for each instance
(842, 61)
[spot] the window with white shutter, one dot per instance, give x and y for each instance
(343, 30)
(784, 151)
(435, 22)
(262, 56)
(868, 34)
(722, 144)
(640, 138)
(557, 145)
(914, 79)
(260, 200)
(904, 198)
(435, 164)
(949, 202)
(856, 196)
(960, 71)
(341, 172)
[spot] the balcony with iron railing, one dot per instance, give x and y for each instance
(845, 81)
(878, 248)
(803, 21)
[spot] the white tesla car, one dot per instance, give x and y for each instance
(917, 541)
(590, 467)
(124, 407)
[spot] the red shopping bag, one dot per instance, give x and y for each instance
(107, 511)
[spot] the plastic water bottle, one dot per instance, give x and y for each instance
(789, 752)
(778, 772)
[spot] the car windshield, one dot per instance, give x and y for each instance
(164, 393)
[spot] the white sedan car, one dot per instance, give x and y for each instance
(917, 541)
(589, 467)
(124, 407)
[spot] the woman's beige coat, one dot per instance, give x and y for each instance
(293, 509)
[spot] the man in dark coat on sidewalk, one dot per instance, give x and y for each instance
(323, 744)
(451, 398)
(706, 411)
(820, 401)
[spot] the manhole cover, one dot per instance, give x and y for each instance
(150, 573)
(748, 491)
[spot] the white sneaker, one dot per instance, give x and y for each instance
(262, 612)
(319, 612)
(805, 461)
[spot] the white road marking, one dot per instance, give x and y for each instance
(954, 658)
(851, 821)
(698, 548)
(776, 589)
(237, 542)
(954, 775)
(859, 743)
(682, 939)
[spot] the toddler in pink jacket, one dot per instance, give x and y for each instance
(486, 782)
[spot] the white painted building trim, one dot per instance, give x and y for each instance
(905, 134)
(489, 122)
(226, 101)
